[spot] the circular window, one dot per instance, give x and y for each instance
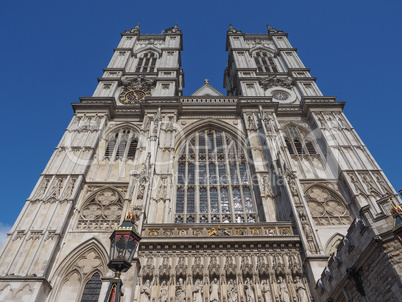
(280, 95)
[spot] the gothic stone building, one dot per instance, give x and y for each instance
(266, 194)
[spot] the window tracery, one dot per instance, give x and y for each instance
(121, 144)
(265, 62)
(326, 207)
(297, 142)
(213, 180)
(102, 212)
(146, 62)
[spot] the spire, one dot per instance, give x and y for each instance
(233, 30)
(135, 30)
(272, 30)
(173, 29)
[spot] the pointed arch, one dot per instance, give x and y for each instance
(122, 142)
(101, 210)
(187, 131)
(298, 140)
(77, 268)
(262, 48)
(213, 176)
(332, 243)
(326, 206)
(147, 48)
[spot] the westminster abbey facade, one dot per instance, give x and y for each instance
(266, 194)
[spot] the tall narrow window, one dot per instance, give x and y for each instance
(213, 180)
(92, 289)
(111, 144)
(132, 148)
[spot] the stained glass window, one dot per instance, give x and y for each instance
(213, 180)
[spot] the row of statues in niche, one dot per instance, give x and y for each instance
(214, 294)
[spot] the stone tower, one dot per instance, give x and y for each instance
(266, 194)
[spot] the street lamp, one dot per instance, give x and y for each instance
(123, 243)
(396, 212)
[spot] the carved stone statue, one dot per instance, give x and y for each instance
(266, 291)
(180, 291)
(249, 290)
(300, 290)
(283, 290)
(214, 291)
(197, 291)
(146, 292)
(232, 291)
(164, 295)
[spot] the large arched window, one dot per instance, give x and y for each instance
(213, 180)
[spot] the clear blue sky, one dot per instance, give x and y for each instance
(53, 51)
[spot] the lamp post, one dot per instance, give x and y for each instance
(123, 243)
(396, 212)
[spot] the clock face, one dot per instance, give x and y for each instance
(133, 96)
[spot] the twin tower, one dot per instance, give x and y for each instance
(265, 194)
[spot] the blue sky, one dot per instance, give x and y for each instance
(53, 51)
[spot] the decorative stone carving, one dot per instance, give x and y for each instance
(232, 291)
(137, 82)
(382, 184)
(214, 292)
(230, 267)
(181, 267)
(326, 207)
(276, 81)
(272, 30)
(42, 189)
(247, 267)
(146, 292)
(198, 291)
(249, 290)
(68, 191)
(294, 265)
(251, 122)
(278, 264)
(267, 190)
(170, 126)
(300, 290)
(292, 185)
(148, 269)
(164, 294)
(356, 184)
(263, 268)
(213, 267)
(102, 212)
(180, 291)
(308, 232)
(266, 291)
(162, 188)
(198, 267)
(283, 290)
(165, 268)
(54, 192)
